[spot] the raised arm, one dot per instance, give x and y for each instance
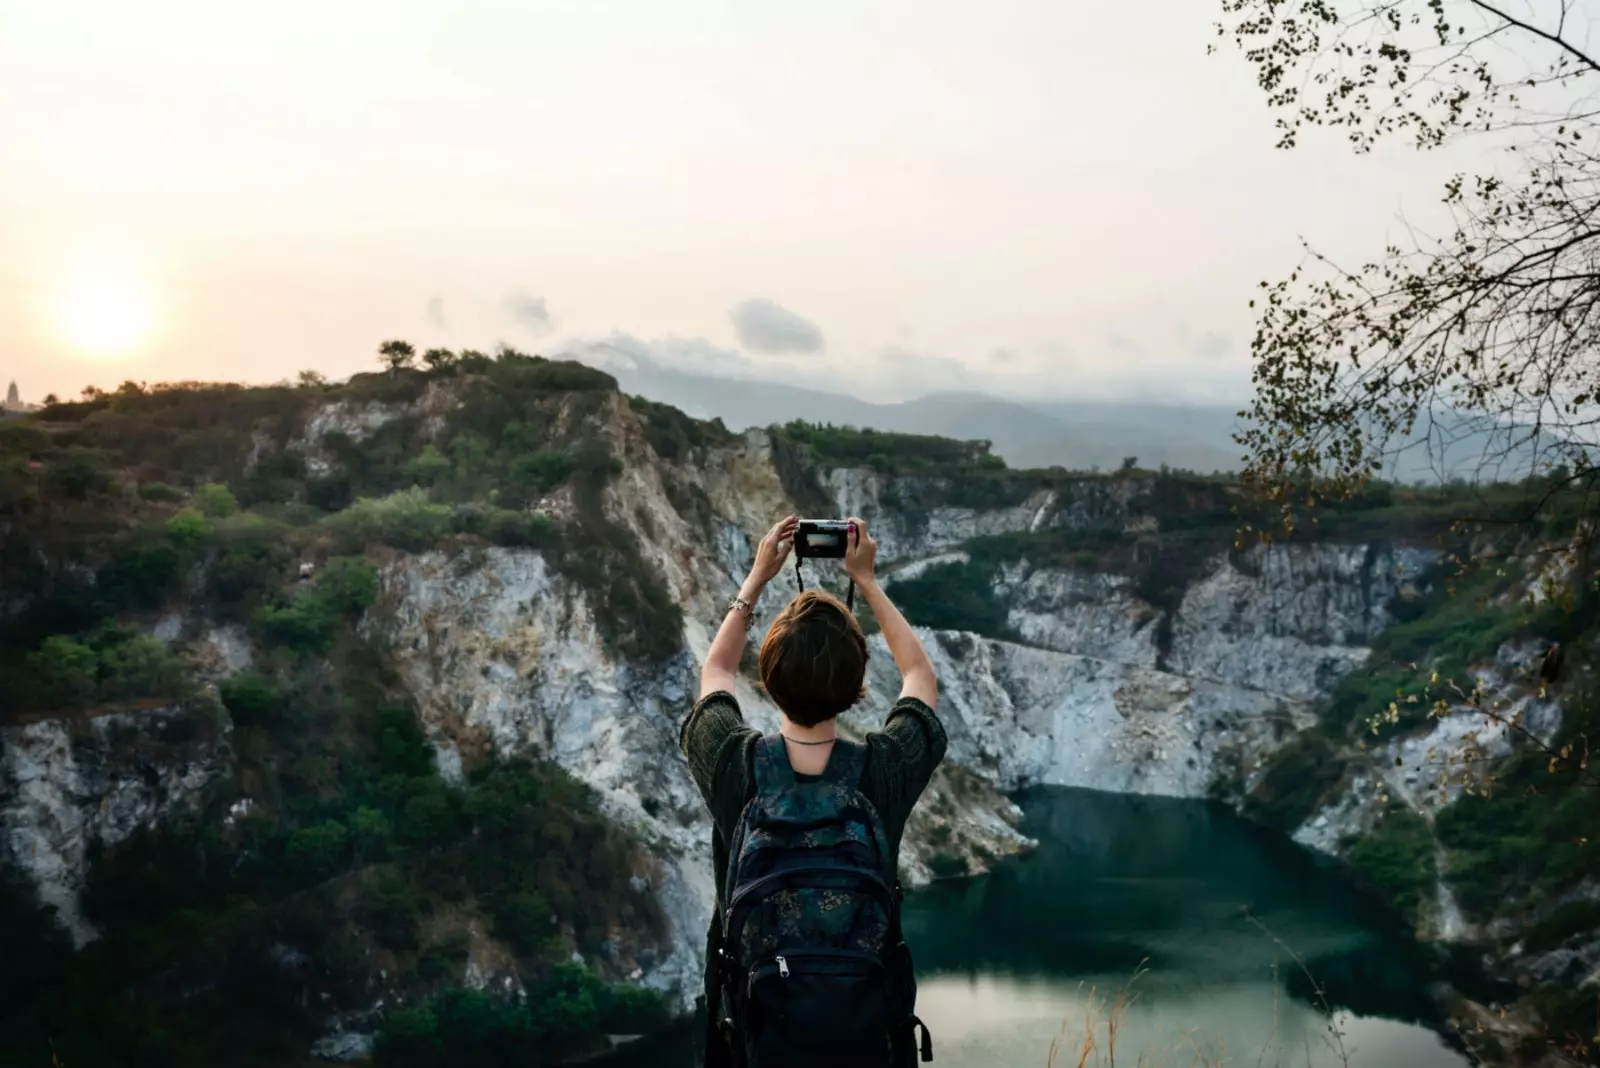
(917, 678)
(721, 668)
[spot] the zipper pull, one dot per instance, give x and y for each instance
(783, 967)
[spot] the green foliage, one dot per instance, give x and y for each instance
(955, 596)
(215, 500)
(349, 585)
(428, 466)
(251, 698)
(525, 922)
(68, 671)
(565, 1015)
(389, 908)
(1528, 839)
(539, 471)
(888, 452)
(345, 588)
(397, 354)
(674, 435)
(78, 472)
(160, 493)
(136, 665)
(1398, 858)
(1573, 918)
(320, 850)
(371, 833)
(110, 664)
(188, 530)
(248, 568)
(405, 520)
(1295, 782)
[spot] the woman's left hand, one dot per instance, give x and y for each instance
(774, 550)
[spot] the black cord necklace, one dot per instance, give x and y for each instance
(797, 741)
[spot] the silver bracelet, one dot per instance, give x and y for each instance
(739, 604)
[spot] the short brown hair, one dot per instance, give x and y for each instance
(814, 660)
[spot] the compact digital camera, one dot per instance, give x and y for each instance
(821, 539)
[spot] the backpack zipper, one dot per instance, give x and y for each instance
(843, 961)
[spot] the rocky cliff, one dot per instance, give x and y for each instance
(1132, 647)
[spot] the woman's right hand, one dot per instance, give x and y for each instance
(860, 553)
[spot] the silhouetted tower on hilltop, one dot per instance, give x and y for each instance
(13, 398)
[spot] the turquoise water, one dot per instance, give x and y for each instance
(1192, 917)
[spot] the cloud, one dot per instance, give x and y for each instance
(767, 327)
(529, 312)
(1212, 345)
(1056, 350)
(690, 354)
(1003, 355)
(436, 313)
(1123, 343)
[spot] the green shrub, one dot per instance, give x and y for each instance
(306, 624)
(389, 906)
(1296, 779)
(402, 747)
(428, 466)
(215, 500)
(885, 451)
(142, 572)
(404, 520)
(345, 588)
(431, 817)
(319, 851)
(251, 698)
(370, 831)
(955, 596)
(1581, 917)
(160, 492)
(78, 472)
(348, 585)
(69, 671)
(525, 922)
(188, 529)
(542, 470)
(409, 1038)
(1398, 857)
(134, 665)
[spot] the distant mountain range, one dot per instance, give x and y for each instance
(1077, 435)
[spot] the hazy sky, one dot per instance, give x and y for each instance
(888, 197)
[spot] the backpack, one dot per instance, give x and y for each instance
(812, 966)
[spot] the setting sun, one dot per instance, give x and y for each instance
(104, 316)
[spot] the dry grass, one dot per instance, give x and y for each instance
(1092, 1041)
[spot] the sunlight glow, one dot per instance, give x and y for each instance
(105, 316)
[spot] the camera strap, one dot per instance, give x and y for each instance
(849, 593)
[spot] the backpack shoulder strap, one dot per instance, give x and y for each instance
(773, 773)
(846, 764)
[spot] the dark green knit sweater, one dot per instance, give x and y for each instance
(901, 758)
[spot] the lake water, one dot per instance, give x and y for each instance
(1193, 917)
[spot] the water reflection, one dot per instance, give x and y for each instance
(1208, 904)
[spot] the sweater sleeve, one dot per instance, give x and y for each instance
(717, 743)
(904, 756)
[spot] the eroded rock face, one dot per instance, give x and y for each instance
(66, 785)
(1290, 620)
(1020, 716)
